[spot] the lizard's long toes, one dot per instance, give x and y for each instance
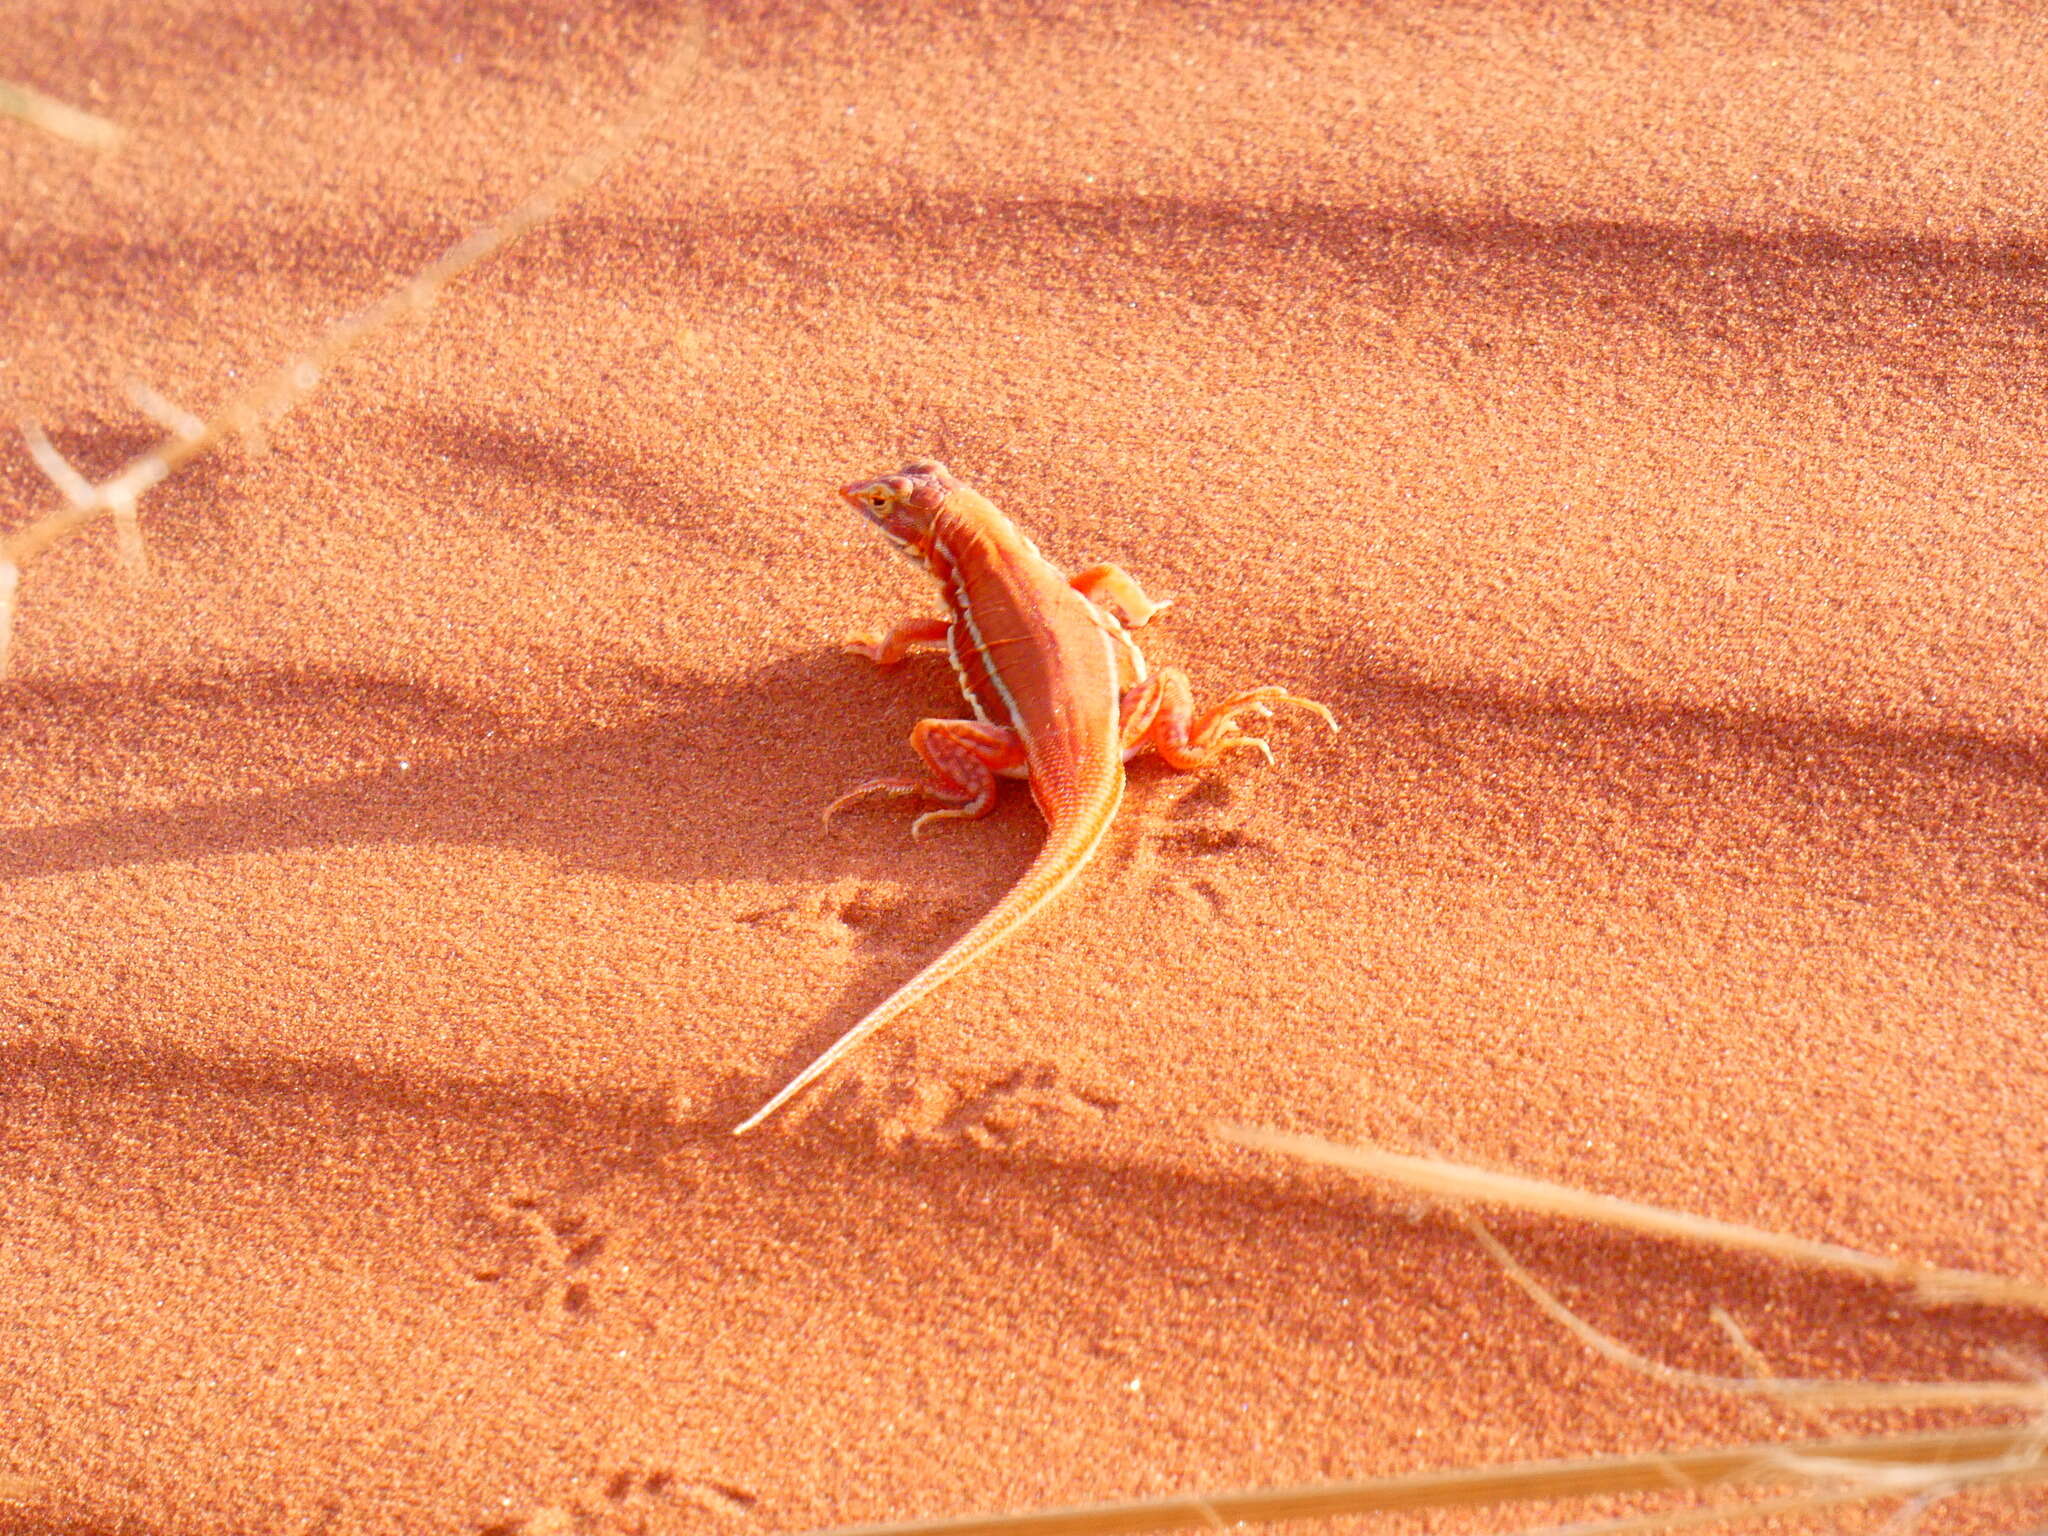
(1321, 711)
(1232, 743)
(923, 823)
(890, 787)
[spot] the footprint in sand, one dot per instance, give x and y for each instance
(633, 1502)
(556, 1247)
(857, 914)
(1022, 1103)
(1210, 893)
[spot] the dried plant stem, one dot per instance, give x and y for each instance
(1457, 1181)
(54, 116)
(270, 397)
(1969, 1456)
(1769, 1509)
(1789, 1389)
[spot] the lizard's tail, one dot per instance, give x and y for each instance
(1071, 840)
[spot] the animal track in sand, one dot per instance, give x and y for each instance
(632, 1488)
(1020, 1103)
(1212, 838)
(1205, 896)
(1209, 894)
(835, 913)
(556, 1242)
(851, 914)
(633, 1502)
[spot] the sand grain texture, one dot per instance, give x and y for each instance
(1629, 423)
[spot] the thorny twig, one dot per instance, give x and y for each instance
(189, 436)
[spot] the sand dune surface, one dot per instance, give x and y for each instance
(1627, 419)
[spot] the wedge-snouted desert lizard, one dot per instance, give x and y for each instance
(1061, 694)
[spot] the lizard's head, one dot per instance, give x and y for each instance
(903, 505)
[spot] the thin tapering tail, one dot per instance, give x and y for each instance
(1070, 842)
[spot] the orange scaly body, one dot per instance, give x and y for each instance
(1061, 695)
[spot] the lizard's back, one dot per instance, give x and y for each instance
(1032, 654)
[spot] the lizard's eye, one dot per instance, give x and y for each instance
(876, 501)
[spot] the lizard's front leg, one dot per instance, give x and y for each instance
(965, 758)
(1112, 586)
(1160, 713)
(887, 650)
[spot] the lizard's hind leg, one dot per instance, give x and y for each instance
(965, 757)
(1160, 713)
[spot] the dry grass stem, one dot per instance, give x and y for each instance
(272, 396)
(1872, 1466)
(1760, 1370)
(1934, 1487)
(2025, 1460)
(1789, 1389)
(1457, 1181)
(1752, 1357)
(1715, 1514)
(173, 418)
(1708, 1514)
(53, 116)
(10, 583)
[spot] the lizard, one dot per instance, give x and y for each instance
(1062, 698)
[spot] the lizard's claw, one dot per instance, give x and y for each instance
(951, 813)
(1257, 743)
(867, 643)
(1260, 701)
(890, 787)
(1320, 711)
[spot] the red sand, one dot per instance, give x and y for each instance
(1630, 424)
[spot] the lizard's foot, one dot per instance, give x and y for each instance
(1159, 713)
(950, 813)
(1260, 701)
(887, 650)
(893, 788)
(1258, 744)
(966, 759)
